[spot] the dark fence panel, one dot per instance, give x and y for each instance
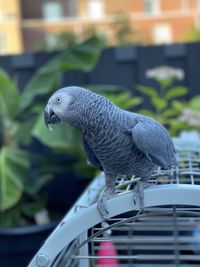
(125, 66)
(193, 68)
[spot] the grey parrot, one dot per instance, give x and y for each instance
(115, 140)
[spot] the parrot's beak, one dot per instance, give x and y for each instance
(50, 118)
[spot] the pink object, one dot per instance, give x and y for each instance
(107, 249)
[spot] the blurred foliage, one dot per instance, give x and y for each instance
(193, 35)
(194, 103)
(79, 57)
(91, 30)
(118, 95)
(165, 103)
(15, 161)
(121, 28)
(58, 41)
(124, 32)
(191, 114)
(67, 39)
(23, 174)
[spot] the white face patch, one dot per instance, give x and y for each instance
(66, 100)
(59, 107)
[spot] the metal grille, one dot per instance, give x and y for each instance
(156, 237)
(164, 235)
(188, 172)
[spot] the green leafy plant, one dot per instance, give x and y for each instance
(165, 101)
(22, 172)
(191, 113)
(49, 76)
(124, 32)
(15, 161)
(58, 41)
(193, 34)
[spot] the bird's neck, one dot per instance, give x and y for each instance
(92, 115)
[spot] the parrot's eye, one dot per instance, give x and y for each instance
(58, 100)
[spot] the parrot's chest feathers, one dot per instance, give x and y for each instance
(110, 139)
(115, 150)
(98, 134)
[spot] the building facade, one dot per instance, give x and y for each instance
(154, 21)
(10, 27)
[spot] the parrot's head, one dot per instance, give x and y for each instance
(57, 106)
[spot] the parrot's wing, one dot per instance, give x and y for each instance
(91, 156)
(154, 141)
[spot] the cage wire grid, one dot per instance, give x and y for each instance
(167, 233)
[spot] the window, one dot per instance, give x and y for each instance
(95, 9)
(52, 11)
(151, 7)
(162, 34)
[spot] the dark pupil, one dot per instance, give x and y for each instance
(58, 99)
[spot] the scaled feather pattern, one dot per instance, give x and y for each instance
(115, 140)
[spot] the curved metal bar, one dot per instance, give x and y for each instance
(85, 218)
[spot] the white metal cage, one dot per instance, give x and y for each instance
(166, 234)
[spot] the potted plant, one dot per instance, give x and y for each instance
(24, 170)
(166, 99)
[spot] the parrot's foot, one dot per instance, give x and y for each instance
(102, 204)
(139, 193)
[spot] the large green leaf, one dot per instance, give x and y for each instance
(117, 94)
(176, 92)
(124, 100)
(178, 105)
(79, 57)
(40, 84)
(11, 217)
(63, 137)
(9, 96)
(194, 103)
(23, 134)
(159, 103)
(171, 112)
(14, 164)
(147, 112)
(147, 90)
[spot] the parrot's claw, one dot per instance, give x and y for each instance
(139, 193)
(102, 204)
